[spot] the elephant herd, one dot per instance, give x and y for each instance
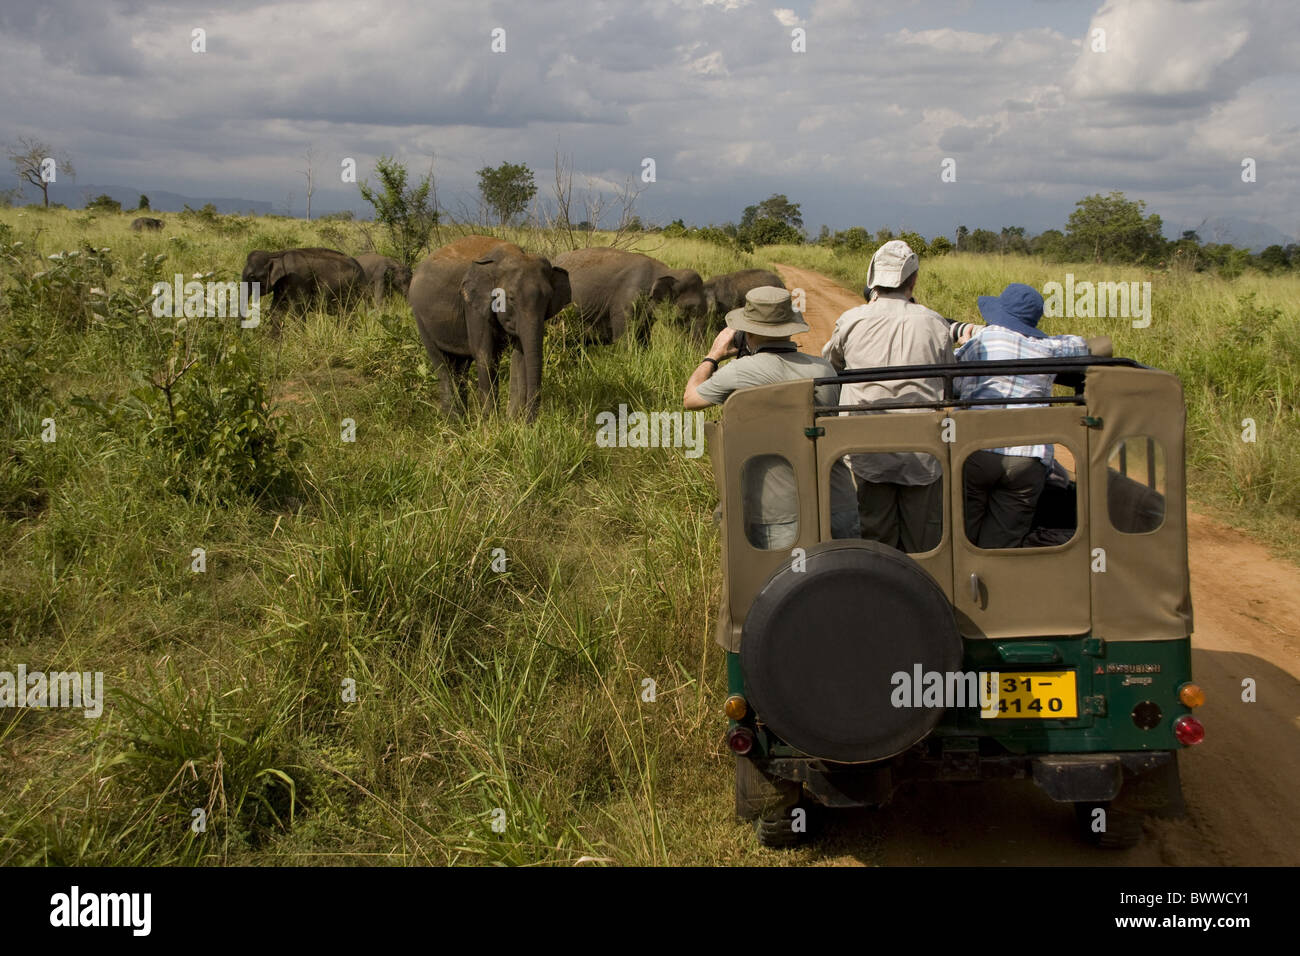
(478, 296)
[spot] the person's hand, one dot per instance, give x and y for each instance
(966, 335)
(724, 346)
(1101, 345)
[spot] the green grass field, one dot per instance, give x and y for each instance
(482, 696)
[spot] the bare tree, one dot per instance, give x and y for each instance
(30, 157)
(556, 221)
(309, 173)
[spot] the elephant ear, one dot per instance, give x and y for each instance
(276, 273)
(561, 291)
(476, 287)
(492, 255)
(664, 288)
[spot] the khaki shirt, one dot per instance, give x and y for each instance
(771, 496)
(891, 330)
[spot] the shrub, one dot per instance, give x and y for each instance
(104, 203)
(66, 291)
(204, 411)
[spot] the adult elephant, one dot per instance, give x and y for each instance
(385, 274)
(725, 292)
(299, 277)
(473, 298)
(146, 224)
(608, 283)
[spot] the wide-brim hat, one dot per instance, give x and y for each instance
(767, 311)
(891, 265)
(1018, 308)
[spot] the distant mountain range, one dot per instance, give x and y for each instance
(1246, 233)
(75, 195)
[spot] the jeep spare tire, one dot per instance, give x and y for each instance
(821, 644)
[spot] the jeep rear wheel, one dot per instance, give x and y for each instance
(758, 794)
(778, 832)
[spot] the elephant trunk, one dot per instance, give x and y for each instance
(530, 339)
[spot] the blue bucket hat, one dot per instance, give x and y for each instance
(1018, 308)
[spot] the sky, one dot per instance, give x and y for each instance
(1033, 105)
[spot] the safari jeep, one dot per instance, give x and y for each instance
(853, 667)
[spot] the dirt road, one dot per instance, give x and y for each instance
(1242, 784)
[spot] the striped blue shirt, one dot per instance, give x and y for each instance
(993, 343)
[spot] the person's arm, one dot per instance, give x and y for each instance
(723, 347)
(1064, 346)
(833, 350)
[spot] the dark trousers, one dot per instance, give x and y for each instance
(1001, 493)
(907, 517)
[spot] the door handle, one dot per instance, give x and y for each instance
(974, 588)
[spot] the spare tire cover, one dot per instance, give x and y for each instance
(820, 646)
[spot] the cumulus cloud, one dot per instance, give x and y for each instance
(855, 128)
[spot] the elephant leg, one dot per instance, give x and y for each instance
(622, 314)
(460, 380)
(485, 345)
(641, 316)
(450, 370)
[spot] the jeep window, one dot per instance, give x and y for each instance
(771, 502)
(900, 497)
(1135, 485)
(1011, 499)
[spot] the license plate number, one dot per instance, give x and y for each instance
(1035, 695)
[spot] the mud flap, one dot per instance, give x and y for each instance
(1145, 781)
(1074, 778)
(1152, 784)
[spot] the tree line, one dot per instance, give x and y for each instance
(1102, 228)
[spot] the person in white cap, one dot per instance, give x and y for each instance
(900, 494)
(771, 503)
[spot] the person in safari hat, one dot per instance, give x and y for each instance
(1002, 485)
(766, 355)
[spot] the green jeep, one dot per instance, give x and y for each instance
(853, 666)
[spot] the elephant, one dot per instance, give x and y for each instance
(299, 276)
(385, 274)
(725, 292)
(474, 297)
(607, 284)
(145, 223)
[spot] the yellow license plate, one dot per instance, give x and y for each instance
(1033, 695)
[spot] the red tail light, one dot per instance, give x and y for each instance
(1188, 730)
(740, 740)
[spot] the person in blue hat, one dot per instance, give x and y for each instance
(1002, 485)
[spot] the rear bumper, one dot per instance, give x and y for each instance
(1148, 780)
